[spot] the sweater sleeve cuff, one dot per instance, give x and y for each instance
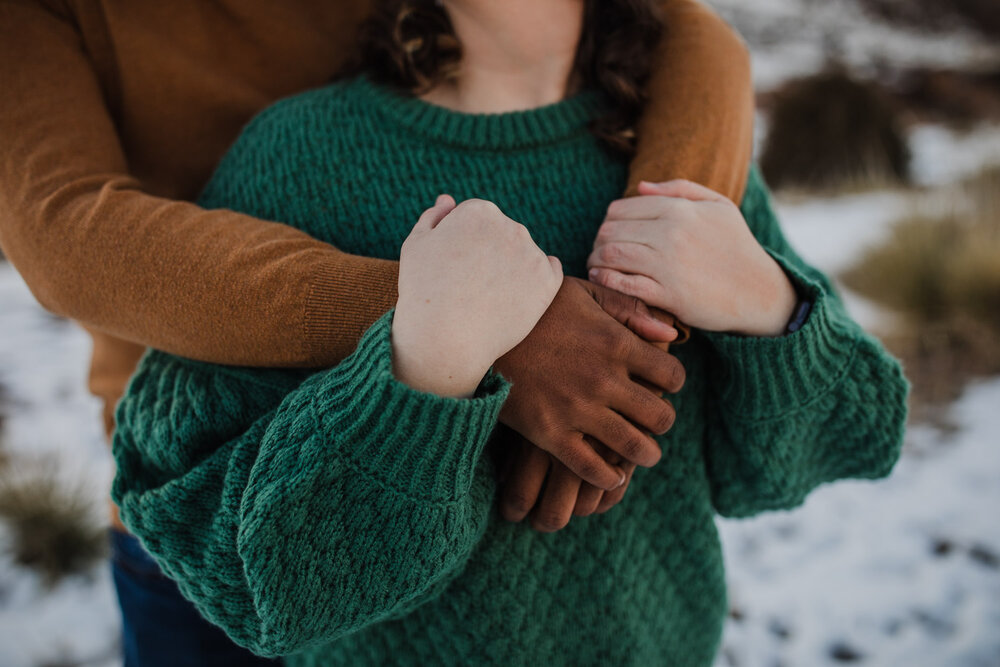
(764, 377)
(420, 444)
(334, 315)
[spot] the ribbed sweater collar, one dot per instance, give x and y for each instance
(500, 131)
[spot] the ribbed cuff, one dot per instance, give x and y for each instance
(345, 294)
(420, 444)
(764, 377)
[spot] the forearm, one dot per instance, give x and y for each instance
(795, 411)
(350, 464)
(698, 123)
(94, 246)
(210, 285)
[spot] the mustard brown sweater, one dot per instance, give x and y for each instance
(346, 519)
(114, 113)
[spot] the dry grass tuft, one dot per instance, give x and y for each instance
(4, 407)
(53, 527)
(953, 97)
(4, 403)
(830, 132)
(943, 274)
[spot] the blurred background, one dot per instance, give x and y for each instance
(879, 129)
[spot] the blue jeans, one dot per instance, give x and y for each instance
(159, 626)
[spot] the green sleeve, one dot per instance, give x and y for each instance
(293, 512)
(790, 413)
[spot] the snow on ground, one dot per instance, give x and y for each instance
(941, 155)
(830, 233)
(897, 572)
(51, 422)
(75, 623)
(902, 571)
(791, 38)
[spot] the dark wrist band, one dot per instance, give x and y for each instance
(799, 315)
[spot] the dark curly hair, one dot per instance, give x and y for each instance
(411, 45)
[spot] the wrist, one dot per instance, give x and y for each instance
(424, 360)
(777, 307)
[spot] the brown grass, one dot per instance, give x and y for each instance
(942, 273)
(4, 407)
(53, 526)
(960, 99)
(829, 132)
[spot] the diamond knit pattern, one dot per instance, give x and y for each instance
(341, 518)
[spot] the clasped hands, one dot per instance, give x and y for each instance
(586, 373)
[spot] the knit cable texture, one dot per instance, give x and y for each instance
(341, 518)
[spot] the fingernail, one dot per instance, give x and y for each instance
(621, 480)
(592, 273)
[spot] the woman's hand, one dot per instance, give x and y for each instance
(472, 284)
(686, 249)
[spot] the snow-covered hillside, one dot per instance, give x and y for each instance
(904, 571)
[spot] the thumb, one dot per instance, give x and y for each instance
(430, 218)
(680, 188)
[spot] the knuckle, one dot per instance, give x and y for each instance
(478, 207)
(519, 502)
(550, 520)
(610, 500)
(586, 469)
(632, 448)
(665, 418)
(614, 340)
(608, 338)
(633, 286)
(611, 252)
(549, 429)
(614, 431)
(648, 291)
(625, 442)
(603, 384)
(623, 345)
(684, 206)
(611, 281)
(677, 375)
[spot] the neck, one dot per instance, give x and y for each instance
(516, 54)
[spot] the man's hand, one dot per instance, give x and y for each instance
(581, 372)
(528, 469)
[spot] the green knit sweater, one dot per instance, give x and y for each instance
(346, 519)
